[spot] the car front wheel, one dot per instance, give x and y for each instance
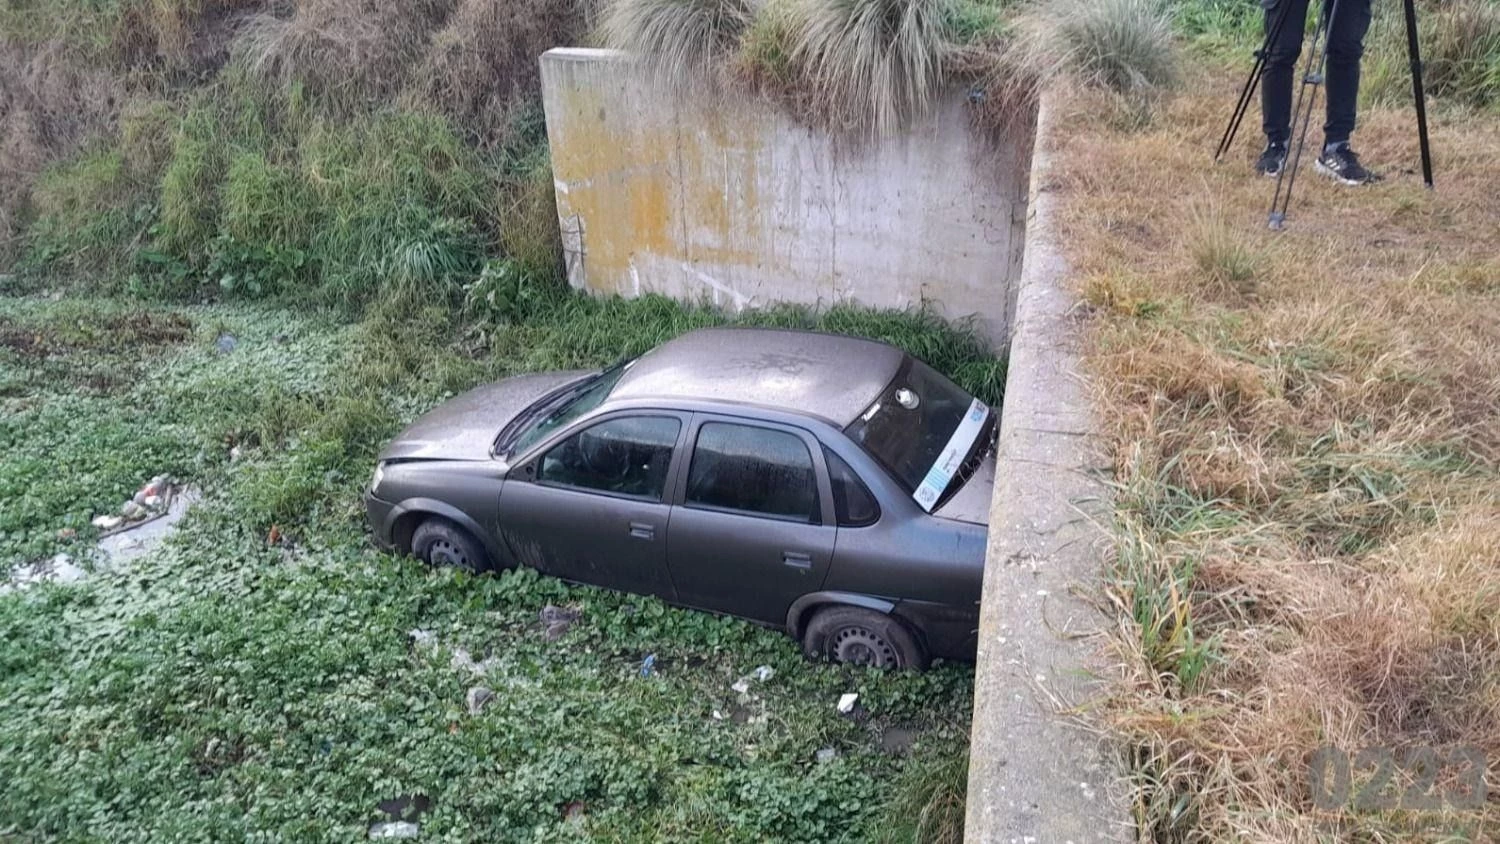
(439, 542)
(862, 637)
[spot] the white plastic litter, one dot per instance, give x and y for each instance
(394, 829)
(846, 703)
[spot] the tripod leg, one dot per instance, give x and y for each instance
(1317, 61)
(1247, 93)
(1418, 93)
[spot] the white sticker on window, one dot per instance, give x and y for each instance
(952, 456)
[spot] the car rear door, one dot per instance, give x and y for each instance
(592, 506)
(753, 527)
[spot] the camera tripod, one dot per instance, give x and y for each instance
(1312, 79)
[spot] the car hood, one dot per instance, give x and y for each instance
(972, 501)
(465, 426)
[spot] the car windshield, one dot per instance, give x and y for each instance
(921, 429)
(559, 410)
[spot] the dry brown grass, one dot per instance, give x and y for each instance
(50, 103)
(1307, 437)
(351, 53)
(484, 60)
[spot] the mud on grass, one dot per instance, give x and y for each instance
(99, 351)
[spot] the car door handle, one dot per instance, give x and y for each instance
(641, 530)
(795, 560)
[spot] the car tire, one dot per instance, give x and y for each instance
(439, 542)
(862, 637)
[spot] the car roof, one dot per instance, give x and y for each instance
(826, 375)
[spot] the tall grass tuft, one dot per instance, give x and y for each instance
(679, 39)
(1222, 252)
(348, 53)
(929, 803)
(1460, 54)
(871, 64)
(1124, 46)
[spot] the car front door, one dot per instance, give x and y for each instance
(592, 507)
(753, 531)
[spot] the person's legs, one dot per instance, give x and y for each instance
(1281, 65)
(1346, 45)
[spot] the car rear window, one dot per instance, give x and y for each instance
(907, 440)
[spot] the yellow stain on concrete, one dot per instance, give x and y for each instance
(693, 198)
(591, 160)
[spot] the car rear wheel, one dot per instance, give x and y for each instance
(862, 637)
(439, 542)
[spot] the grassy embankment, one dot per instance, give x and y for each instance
(1305, 429)
(359, 194)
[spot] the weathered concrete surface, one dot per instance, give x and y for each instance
(726, 198)
(1034, 776)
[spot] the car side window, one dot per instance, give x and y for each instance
(852, 500)
(760, 471)
(627, 456)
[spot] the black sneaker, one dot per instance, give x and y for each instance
(1272, 160)
(1339, 163)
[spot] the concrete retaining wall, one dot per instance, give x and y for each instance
(1034, 775)
(729, 199)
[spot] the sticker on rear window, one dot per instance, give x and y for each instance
(942, 471)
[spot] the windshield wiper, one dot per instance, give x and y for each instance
(523, 421)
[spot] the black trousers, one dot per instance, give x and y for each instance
(1346, 44)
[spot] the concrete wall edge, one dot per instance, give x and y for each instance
(1036, 774)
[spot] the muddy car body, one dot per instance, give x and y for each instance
(832, 486)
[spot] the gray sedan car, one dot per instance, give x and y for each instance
(831, 486)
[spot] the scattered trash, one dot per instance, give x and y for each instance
(394, 829)
(59, 569)
(556, 620)
(406, 807)
(273, 536)
(148, 502)
(846, 703)
(717, 715)
(123, 541)
(648, 664)
(573, 812)
(234, 454)
(226, 343)
(477, 698)
(67, 533)
(760, 674)
(826, 755)
(462, 661)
